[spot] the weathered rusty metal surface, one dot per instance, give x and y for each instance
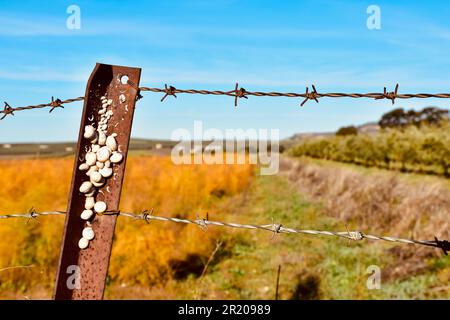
(92, 263)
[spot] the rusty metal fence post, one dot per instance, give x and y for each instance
(82, 273)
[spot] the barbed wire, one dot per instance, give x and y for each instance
(147, 216)
(239, 92)
(307, 95)
(8, 110)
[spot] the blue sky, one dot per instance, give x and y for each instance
(263, 45)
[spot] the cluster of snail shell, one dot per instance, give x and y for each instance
(98, 163)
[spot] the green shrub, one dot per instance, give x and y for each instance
(414, 149)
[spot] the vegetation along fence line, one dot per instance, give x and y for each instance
(410, 149)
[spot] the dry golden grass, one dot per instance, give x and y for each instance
(142, 254)
(379, 202)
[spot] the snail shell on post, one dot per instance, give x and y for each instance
(100, 207)
(87, 214)
(95, 177)
(91, 158)
(116, 157)
(103, 154)
(94, 139)
(88, 233)
(89, 132)
(106, 172)
(83, 243)
(85, 187)
(100, 164)
(100, 183)
(95, 148)
(83, 167)
(111, 143)
(89, 203)
(91, 169)
(101, 137)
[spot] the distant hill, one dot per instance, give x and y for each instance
(152, 146)
(369, 127)
(68, 148)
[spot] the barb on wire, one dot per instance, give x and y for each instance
(145, 214)
(239, 93)
(7, 110)
(203, 223)
(274, 228)
(310, 95)
(169, 91)
(55, 104)
(443, 244)
(389, 95)
(354, 235)
(32, 214)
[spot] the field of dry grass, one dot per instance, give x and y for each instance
(379, 202)
(142, 254)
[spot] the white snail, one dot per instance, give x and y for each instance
(85, 187)
(89, 132)
(116, 157)
(88, 233)
(103, 154)
(100, 207)
(89, 203)
(111, 142)
(87, 214)
(83, 243)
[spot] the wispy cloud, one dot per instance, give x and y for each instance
(34, 26)
(49, 26)
(44, 75)
(288, 78)
(283, 78)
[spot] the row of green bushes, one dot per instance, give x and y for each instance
(425, 149)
